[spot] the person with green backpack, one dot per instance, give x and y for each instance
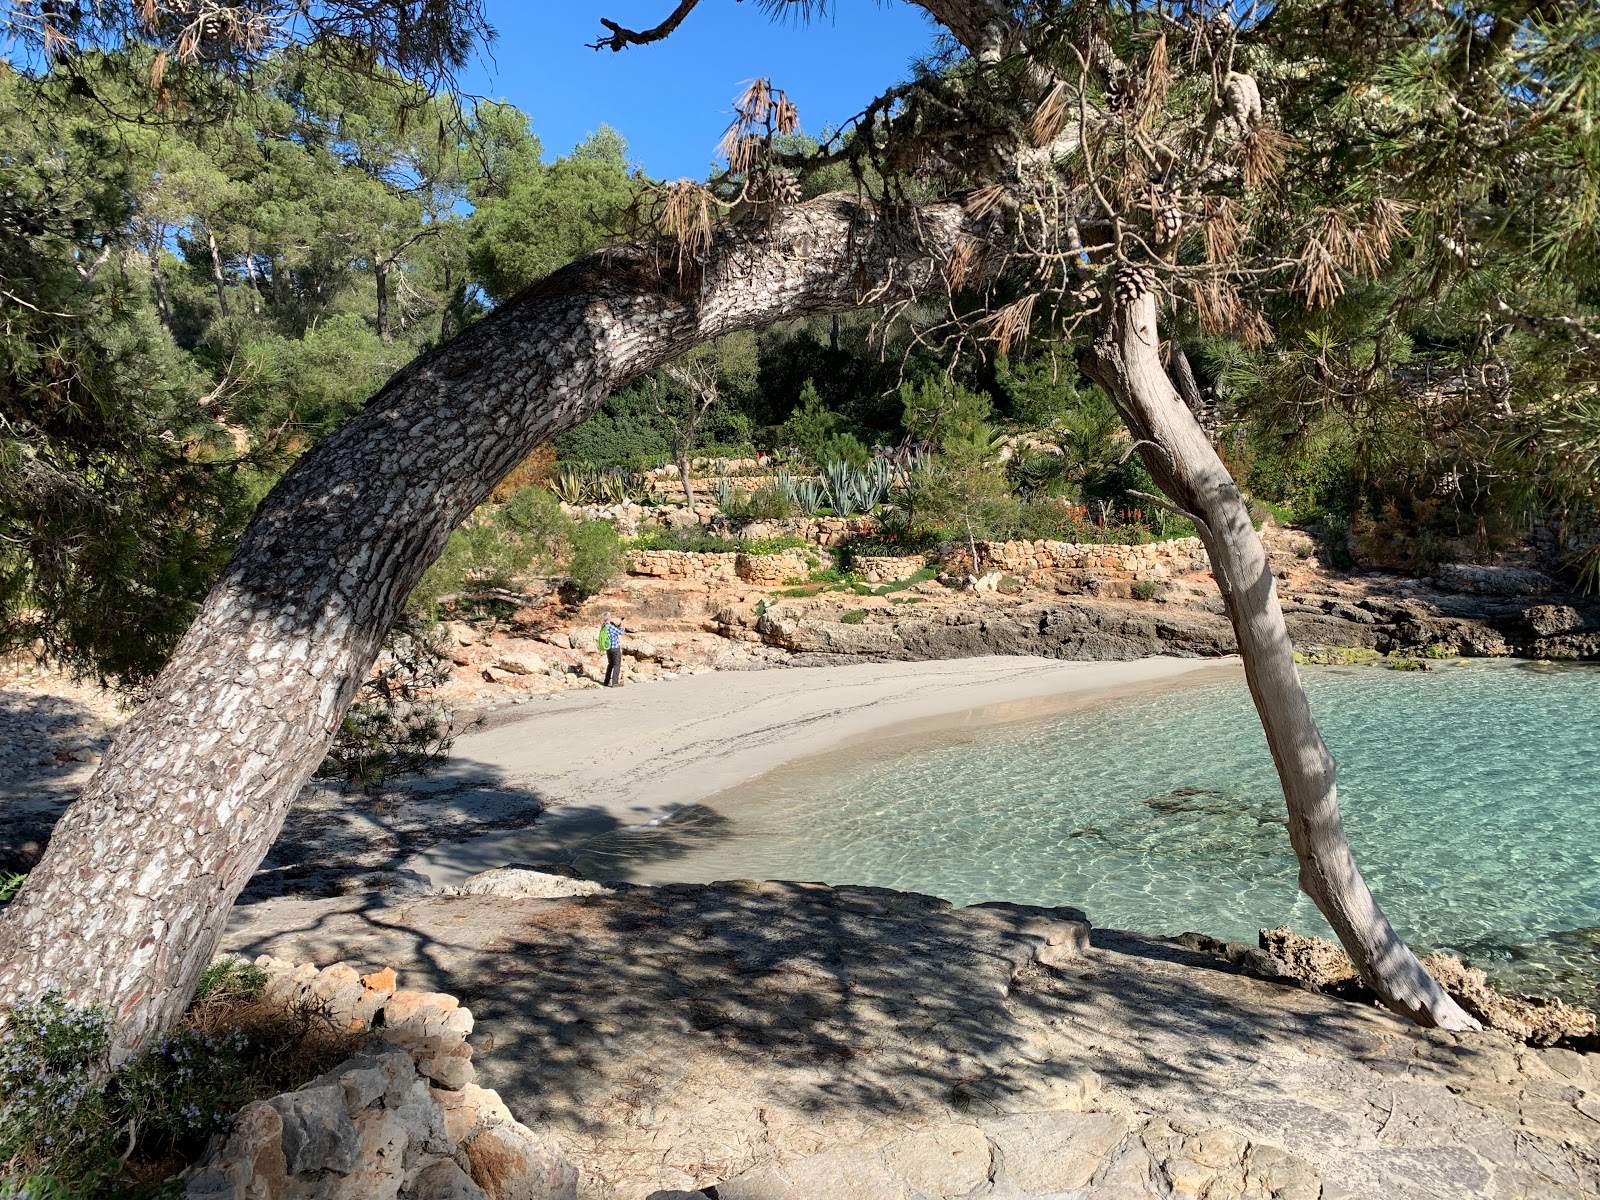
(611, 632)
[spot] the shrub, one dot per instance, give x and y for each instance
(52, 1116)
(762, 504)
(11, 884)
(844, 448)
(61, 1135)
(594, 557)
(1146, 589)
(855, 616)
(394, 727)
(698, 540)
(771, 545)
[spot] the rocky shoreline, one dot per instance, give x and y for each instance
(783, 1041)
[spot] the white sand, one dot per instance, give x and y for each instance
(605, 759)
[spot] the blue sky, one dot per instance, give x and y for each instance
(673, 99)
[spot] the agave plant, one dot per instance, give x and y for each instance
(809, 497)
(570, 485)
(852, 490)
(724, 494)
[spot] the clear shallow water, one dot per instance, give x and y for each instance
(1471, 795)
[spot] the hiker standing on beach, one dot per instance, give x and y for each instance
(611, 642)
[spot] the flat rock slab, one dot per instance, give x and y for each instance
(798, 1042)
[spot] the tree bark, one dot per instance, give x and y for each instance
(1126, 362)
(217, 279)
(158, 285)
(380, 271)
(131, 897)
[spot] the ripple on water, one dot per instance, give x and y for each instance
(1471, 794)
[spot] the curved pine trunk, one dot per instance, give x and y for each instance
(132, 895)
(1127, 363)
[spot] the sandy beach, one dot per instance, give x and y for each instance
(609, 760)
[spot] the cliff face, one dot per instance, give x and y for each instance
(780, 1041)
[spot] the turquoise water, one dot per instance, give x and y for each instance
(1471, 795)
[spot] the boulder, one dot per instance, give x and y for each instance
(444, 1181)
(1312, 960)
(524, 883)
(317, 1132)
(511, 1162)
(1547, 620)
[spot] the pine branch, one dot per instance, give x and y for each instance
(621, 37)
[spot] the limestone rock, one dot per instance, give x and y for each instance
(468, 1110)
(1044, 1153)
(252, 1156)
(948, 1160)
(525, 884)
(1536, 1020)
(444, 1181)
(1546, 620)
(511, 1162)
(318, 1134)
(1312, 960)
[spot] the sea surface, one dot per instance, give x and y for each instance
(1471, 794)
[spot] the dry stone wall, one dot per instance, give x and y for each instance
(1152, 560)
(401, 1120)
(883, 568)
(699, 567)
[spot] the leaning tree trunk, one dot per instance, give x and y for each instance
(132, 895)
(1126, 361)
(688, 484)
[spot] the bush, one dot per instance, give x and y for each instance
(698, 540)
(594, 557)
(843, 448)
(53, 1118)
(855, 616)
(61, 1135)
(762, 504)
(1145, 589)
(394, 727)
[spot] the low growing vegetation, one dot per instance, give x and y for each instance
(68, 1131)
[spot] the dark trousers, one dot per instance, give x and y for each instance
(614, 667)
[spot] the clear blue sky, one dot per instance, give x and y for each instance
(672, 100)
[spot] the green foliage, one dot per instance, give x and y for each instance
(232, 979)
(10, 884)
(697, 540)
(548, 215)
(594, 557)
(395, 726)
(1146, 589)
(852, 491)
(854, 617)
(496, 546)
(811, 425)
(310, 385)
(938, 409)
(771, 545)
(67, 1125)
(769, 503)
(584, 484)
(845, 449)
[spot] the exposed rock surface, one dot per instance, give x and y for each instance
(1537, 1020)
(524, 883)
(794, 1042)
